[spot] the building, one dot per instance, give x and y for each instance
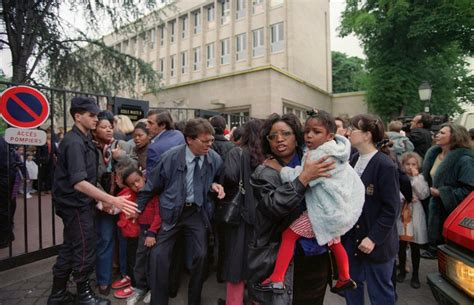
(246, 57)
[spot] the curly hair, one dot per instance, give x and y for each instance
(291, 120)
(251, 141)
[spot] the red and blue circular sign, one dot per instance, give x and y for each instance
(24, 107)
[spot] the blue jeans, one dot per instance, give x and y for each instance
(106, 230)
(378, 277)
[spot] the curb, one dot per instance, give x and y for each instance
(25, 272)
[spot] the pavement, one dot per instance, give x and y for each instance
(31, 284)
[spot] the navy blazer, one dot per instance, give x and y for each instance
(168, 180)
(380, 212)
(168, 139)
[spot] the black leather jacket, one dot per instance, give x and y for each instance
(278, 205)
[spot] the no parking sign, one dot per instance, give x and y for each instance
(24, 107)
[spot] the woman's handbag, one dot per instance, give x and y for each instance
(228, 209)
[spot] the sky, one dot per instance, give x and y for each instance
(349, 45)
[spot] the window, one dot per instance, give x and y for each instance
(152, 37)
(125, 46)
(161, 29)
(184, 26)
(225, 50)
(274, 3)
(184, 62)
(162, 66)
(257, 7)
(239, 9)
(240, 46)
(257, 43)
(299, 112)
(197, 22)
(211, 13)
(172, 31)
(172, 65)
(225, 11)
(210, 55)
(196, 59)
(277, 37)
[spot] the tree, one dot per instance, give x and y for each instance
(410, 41)
(35, 34)
(347, 73)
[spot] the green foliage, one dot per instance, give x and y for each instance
(408, 42)
(347, 73)
(43, 52)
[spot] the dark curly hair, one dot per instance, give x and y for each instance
(251, 141)
(291, 120)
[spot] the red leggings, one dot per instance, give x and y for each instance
(287, 249)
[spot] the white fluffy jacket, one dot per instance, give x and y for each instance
(334, 204)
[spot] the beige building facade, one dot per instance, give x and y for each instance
(246, 57)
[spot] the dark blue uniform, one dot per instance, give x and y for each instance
(78, 161)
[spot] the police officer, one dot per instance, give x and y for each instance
(74, 191)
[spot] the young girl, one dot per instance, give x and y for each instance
(333, 204)
(412, 227)
(149, 222)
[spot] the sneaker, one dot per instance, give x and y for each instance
(124, 293)
(133, 299)
(28, 196)
(122, 283)
(147, 298)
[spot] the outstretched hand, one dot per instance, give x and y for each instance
(127, 206)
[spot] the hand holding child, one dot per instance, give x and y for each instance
(271, 162)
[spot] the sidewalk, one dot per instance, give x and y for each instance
(31, 285)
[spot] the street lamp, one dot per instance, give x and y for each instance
(424, 91)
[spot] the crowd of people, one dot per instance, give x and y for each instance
(276, 208)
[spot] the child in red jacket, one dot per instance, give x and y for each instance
(149, 222)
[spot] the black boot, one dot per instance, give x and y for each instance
(59, 294)
(86, 296)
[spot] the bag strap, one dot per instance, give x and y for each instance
(241, 174)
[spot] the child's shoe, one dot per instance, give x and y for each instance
(415, 282)
(343, 285)
(122, 283)
(147, 298)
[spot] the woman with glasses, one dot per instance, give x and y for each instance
(372, 244)
(278, 205)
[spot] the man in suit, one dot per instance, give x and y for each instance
(163, 137)
(182, 178)
(420, 134)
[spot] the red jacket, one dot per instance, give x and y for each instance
(150, 218)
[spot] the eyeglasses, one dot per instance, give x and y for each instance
(208, 142)
(284, 134)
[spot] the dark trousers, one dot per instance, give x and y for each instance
(7, 213)
(415, 257)
(191, 223)
(131, 251)
(77, 253)
(141, 269)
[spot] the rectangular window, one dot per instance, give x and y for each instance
(197, 59)
(172, 65)
(125, 46)
(277, 39)
(240, 8)
(211, 13)
(210, 55)
(257, 7)
(162, 66)
(258, 43)
(184, 26)
(274, 3)
(197, 22)
(225, 11)
(161, 29)
(172, 30)
(184, 62)
(152, 37)
(225, 51)
(241, 46)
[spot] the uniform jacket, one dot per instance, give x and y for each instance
(168, 180)
(380, 212)
(334, 204)
(166, 140)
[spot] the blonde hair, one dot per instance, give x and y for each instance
(123, 124)
(395, 126)
(412, 155)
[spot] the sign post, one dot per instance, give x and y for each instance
(24, 107)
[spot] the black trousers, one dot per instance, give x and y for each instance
(7, 213)
(190, 223)
(77, 253)
(140, 271)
